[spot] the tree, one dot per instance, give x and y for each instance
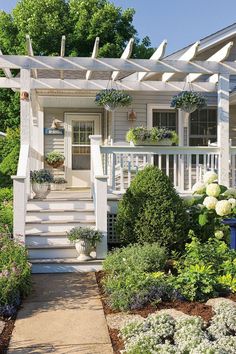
(80, 21)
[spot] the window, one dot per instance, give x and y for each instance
(203, 127)
(164, 118)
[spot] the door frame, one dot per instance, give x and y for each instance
(68, 117)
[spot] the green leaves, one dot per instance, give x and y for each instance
(203, 219)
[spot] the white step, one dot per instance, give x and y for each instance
(52, 251)
(60, 204)
(56, 226)
(65, 265)
(56, 215)
(47, 238)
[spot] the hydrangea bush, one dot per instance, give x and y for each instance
(211, 204)
(161, 333)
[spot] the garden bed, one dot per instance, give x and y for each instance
(189, 308)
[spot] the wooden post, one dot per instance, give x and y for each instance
(223, 128)
(21, 182)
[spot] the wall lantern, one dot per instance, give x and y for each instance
(132, 116)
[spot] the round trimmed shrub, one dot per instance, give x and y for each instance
(152, 211)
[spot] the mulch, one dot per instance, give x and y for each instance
(5, 336)
(189, 308)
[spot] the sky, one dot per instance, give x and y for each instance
(181, 22)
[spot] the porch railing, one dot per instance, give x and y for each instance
(21, 187)
(184, 165)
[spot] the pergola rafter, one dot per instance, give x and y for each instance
(30, 52)
(7, 71)
(62, 53)
(187, 56)
(125, 55)
(157, 55)
(94, 55)
(219, 56)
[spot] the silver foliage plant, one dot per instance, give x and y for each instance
(186, 335)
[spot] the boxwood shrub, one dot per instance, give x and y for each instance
(152, 211)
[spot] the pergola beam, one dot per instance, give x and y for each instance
(186, 56)
(111, 64)
(157, 55)
(7, 71)
(125, 55)
(75, 84)
(30, 52)
(62, 53)
(219, 56)
(94, 55)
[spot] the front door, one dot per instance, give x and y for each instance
(78, 128)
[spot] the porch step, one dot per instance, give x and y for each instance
(47, 238)
(33, 227)
(60, 204)
(64, 265)
(45, 251)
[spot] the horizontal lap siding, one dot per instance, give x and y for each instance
(139, 105)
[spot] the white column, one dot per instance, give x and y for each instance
(21, 182)
(223, 128)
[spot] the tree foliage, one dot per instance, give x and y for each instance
(80, 21)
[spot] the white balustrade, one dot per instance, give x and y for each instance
(183, 165)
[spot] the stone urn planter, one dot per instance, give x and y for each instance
(40, 181)
(83, 248)
(85, 240)
(40, 190)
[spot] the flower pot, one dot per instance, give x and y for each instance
(189, 108)
(163, 142)
(58, 186)
(41, 190)
(83, 248)
(110, 107)
(56, 164)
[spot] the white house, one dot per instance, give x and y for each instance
(99, 170)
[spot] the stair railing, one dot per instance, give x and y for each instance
(21, 188)
(99, 193)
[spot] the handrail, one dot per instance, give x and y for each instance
(163, 150)
(21, 188)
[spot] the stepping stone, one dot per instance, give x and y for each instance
(2, 325)
(217, 300)
(118, 320)
(172, 312)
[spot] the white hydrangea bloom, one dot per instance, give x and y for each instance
(199, 188)
(219, 234)
(232, 202)
(223, 208)
(210, 177)
(213, 190)
(230, 192)
(210, 203)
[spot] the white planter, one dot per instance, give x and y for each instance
(110, 107)
(163, 142)
(83, 248)
(58, 186)
(40, 190)
(189, 108)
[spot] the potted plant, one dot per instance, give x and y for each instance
(189, 101)
(153, 136)
(59, 184)
(110, 99)
(85, 239)
(55, 159)
(40, 180)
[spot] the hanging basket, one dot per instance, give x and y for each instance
(111, 99)
(188, 101)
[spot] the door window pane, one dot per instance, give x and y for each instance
(81, 130)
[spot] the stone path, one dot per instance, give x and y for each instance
(63, 315)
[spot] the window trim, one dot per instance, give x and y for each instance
(151, 107)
